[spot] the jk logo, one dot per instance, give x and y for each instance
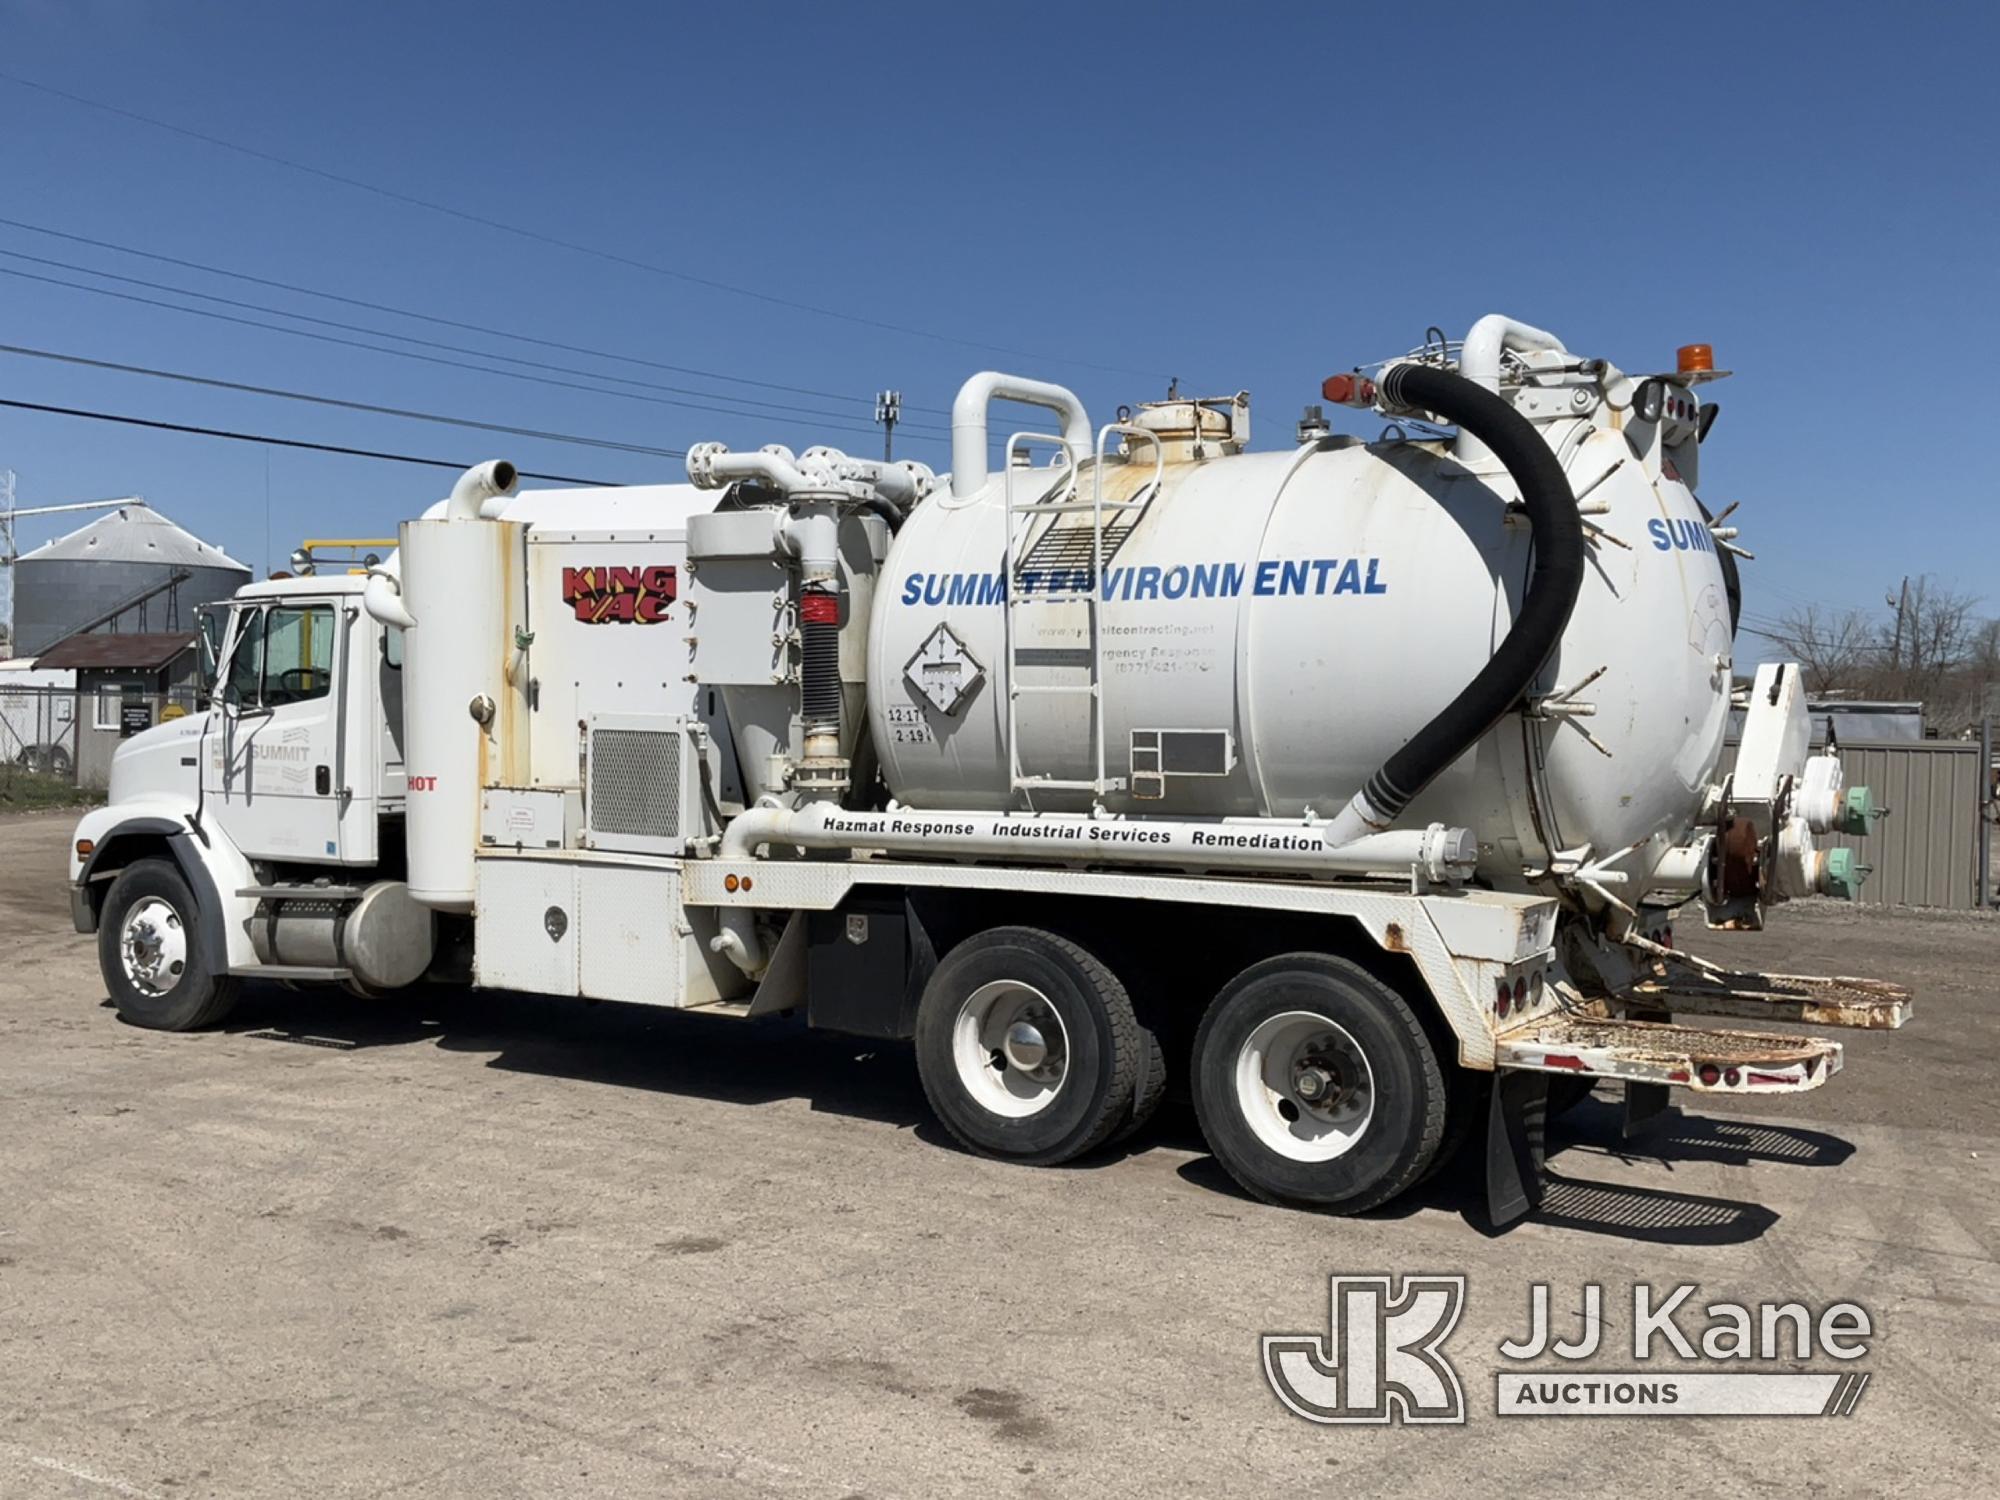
(1381, 1361)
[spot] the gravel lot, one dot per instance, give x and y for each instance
(459, 1245)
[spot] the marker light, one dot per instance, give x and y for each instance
(1691, 358)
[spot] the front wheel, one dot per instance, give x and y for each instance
(155, 960)
(1316, 1085)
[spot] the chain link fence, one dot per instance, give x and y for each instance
(56, 742)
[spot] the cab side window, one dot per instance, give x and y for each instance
(246, 662)
(298, 653)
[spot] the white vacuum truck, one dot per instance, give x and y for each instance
(1356, 784)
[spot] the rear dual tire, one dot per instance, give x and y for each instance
(1317, 1086)
(1029, 1049)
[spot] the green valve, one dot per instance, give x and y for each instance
(1841, 876)
(1856, 810)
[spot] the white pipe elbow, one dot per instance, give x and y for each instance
(477, 485)
(736, 940)
(711, 466)
(1479, 360)
(968, 423)
(751, 828)
(382, 597)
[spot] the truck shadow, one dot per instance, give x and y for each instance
(723, 1058)
(1626, 1211)
(734, 1061)
(1595, 1127)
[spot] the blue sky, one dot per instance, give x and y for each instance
(1243, 197)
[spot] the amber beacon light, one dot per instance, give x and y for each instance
(1691, 358)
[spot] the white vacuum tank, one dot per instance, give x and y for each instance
(1271, 626)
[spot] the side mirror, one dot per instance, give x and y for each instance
(208, 634)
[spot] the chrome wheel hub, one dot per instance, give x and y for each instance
(153, 946)
(1009, 1048)
(1303, 1085)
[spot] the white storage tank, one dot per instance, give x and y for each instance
(1272, 626)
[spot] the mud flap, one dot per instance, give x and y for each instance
(1644, 1103)
(1515, 1124)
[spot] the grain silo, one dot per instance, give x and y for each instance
(129, 569)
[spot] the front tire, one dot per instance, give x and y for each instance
(1316, 1085)
(154, 958)
(1028, 1047)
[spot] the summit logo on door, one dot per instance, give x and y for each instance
(619, 596)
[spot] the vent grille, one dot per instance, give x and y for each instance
(635, 783)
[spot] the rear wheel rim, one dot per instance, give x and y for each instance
(1010, 1049)
(152, 946)
(1304, 1087)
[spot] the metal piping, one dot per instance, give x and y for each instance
(1441, 854)
(1266, 845)
(1479, 362)
(476, 490)
(382, 596)
(1479, 359)
(968, 423)
(476, 486)
(711, 466)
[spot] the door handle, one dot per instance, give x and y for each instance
(322, 780)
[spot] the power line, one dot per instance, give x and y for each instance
(776, 408)
(431, 359)
(444, 322)
(280, 442)
(574, 246)
(215, 383)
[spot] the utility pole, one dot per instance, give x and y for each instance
(888, 411)
(1902, 603)
(7, 552)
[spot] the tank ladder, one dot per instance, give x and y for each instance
(1022, 537)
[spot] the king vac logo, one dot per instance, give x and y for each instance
(1382, 1360)
(606, 595)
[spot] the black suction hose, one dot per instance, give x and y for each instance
(875, 505)
(1553, 584)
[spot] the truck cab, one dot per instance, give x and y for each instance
(291, 780)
